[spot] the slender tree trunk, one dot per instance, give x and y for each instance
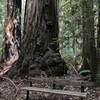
(89, 50)
(40, 47)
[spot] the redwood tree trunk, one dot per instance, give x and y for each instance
(13, 13)
(12, 35)
(98, 35)
(89, 50)
(98, 45)
(39, 46)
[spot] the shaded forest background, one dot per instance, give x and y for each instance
(76, 37)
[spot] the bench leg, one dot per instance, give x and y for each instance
(82, 90)
(27, 95)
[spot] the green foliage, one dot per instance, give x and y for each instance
(2, 16)
(70, 36)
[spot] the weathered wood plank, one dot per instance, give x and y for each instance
(60, 92)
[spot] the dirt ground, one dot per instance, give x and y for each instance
(10, 90)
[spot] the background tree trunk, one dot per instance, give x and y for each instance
(39, 45)
(98, 45)
(89, 50)
(98, 35)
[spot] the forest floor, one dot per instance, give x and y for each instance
(10, 91)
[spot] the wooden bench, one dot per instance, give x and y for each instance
(54, 91)
(82, 94)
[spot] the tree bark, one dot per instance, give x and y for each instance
(89, 50)
(12, 35)
(98, 46)
(39, 46)
(98, 35)
(13, 13)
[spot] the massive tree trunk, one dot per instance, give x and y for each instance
(12, 34)
(39, 46)
(89, 50)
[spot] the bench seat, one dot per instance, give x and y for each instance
(54, 91)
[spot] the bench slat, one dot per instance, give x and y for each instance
(62, 81)
(61, 92)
